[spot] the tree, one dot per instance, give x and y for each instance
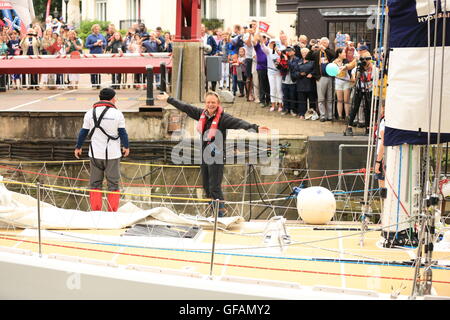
(40, 8)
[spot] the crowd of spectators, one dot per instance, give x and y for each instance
(55, 37)
(282, 74)
(293, 76)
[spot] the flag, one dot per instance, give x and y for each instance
(263, 27)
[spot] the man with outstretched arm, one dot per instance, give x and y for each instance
(213, 123)
(104, 125)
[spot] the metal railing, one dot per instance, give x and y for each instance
(341, 147)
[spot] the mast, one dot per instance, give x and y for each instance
(382, 27)
(431, 203)
(414, 128)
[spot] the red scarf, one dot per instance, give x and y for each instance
(103, 103)
(215, 123)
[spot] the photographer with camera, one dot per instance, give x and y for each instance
(31, 45)
(249, 53)
(363, 75)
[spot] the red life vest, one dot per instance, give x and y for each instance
(103, 103)
(215, 123)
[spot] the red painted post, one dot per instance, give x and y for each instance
(188, 20)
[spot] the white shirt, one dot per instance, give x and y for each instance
(271, 58)
(111, 122)
(248, 49)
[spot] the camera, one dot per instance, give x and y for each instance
(362, 63)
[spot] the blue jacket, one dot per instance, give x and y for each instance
(298, 66)
(212, 42)
(151, 46)
(91, 39)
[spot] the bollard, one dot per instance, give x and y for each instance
(163, 72)
(150, 101)
(2, 82)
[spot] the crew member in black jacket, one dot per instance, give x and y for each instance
(212, 125)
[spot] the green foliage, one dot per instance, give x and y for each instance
(212, 24)
(86, 25)
(40, 7)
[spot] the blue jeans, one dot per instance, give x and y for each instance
(303, 98)
(236, 84)
(96, 79)
(290, 97)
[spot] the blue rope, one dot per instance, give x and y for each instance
(338, 193)
(363, 262)
(346, 192)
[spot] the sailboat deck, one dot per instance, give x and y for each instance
(328, 255)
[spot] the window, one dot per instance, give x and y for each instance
(252, 12)
(257, 8)
(204, 9)
(209, 9)
(262, 8)
(134, 9)
(212, 9)
(100, 10)
(357, 30)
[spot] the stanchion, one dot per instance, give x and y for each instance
(38, 187)
(150, 101)
(163, 73)
(250, 191)
(2, 82)
(215, 204)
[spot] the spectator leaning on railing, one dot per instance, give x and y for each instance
(14, 50)
(31, 45)
(116, 45)
(96, 43)
(46, 42)
(167, 46)
(159, 35)
(143, 33)
(60, 49)
(135, 46)
(74, 47)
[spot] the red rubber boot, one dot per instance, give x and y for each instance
(113, 201)
(95, 198)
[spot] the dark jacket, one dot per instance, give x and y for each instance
(315, 57)
(115, 45)
(226, 122)
(214, 48)
(297, 67)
